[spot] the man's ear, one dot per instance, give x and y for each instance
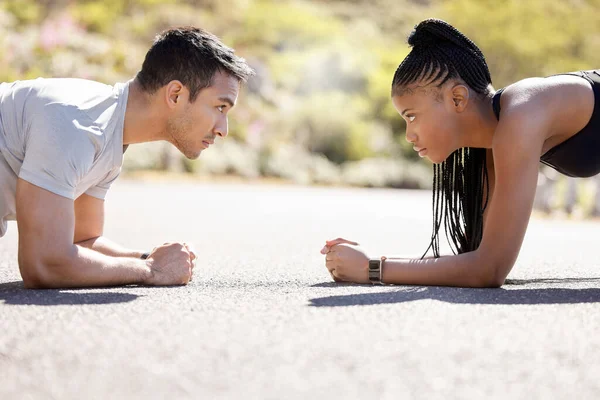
(174, 91)
(460, 97)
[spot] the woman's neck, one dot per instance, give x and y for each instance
(480, 125)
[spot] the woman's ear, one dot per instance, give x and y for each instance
(460, 97)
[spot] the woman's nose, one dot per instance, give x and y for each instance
(410, 137)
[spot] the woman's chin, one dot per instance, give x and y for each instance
(434, 159)
(437, 157)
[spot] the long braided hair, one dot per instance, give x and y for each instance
(439, 53)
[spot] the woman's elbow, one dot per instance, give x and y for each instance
(494, 282)
(33, 282)
(494, 272)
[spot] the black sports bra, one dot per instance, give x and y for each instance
(578, 156)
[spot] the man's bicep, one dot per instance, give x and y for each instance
(58, 153)
(45, 221)
(89, 218)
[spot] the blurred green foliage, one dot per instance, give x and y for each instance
(521, 39)
(324, 68)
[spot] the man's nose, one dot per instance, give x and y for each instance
(222, 128)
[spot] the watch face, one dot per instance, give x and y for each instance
(374, 270)
(373, 264)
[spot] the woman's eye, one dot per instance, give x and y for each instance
(410, 118)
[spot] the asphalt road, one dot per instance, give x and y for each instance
(262, 320)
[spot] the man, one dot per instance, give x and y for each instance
(61, 147)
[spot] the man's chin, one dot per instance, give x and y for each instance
(192, 156)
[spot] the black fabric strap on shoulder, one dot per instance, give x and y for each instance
(496, 103)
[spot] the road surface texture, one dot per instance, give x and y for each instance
(262, 319)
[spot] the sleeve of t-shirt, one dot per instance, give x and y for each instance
(58, 149)
(99, 191)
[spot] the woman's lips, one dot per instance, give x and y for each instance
(421, 150)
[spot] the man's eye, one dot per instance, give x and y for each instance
(221, 108)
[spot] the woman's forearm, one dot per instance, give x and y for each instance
(463, 270)
(106, 247)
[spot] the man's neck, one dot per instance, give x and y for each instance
(143, 120)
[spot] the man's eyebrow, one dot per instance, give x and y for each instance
(227, 100)
(403, 112)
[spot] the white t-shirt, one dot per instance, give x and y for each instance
(63, 135)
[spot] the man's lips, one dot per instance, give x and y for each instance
(207, 143)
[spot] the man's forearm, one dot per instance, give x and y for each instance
(109, 248)
(83, 267)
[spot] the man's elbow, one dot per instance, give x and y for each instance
(33, 278)
(39, 273)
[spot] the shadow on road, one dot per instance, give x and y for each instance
(336, 284)
(15, 294)
(464, 296)
(550, 280)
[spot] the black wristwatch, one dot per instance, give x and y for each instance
(145, 255)
(376, 270)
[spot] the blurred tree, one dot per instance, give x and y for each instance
(530, 38)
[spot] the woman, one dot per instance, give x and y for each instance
(485, 146)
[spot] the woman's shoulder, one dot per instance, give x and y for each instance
(544, 111)
(543, 95)
(526, 114)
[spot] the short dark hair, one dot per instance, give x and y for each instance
(192, 56)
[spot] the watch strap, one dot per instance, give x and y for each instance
(376, 270)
